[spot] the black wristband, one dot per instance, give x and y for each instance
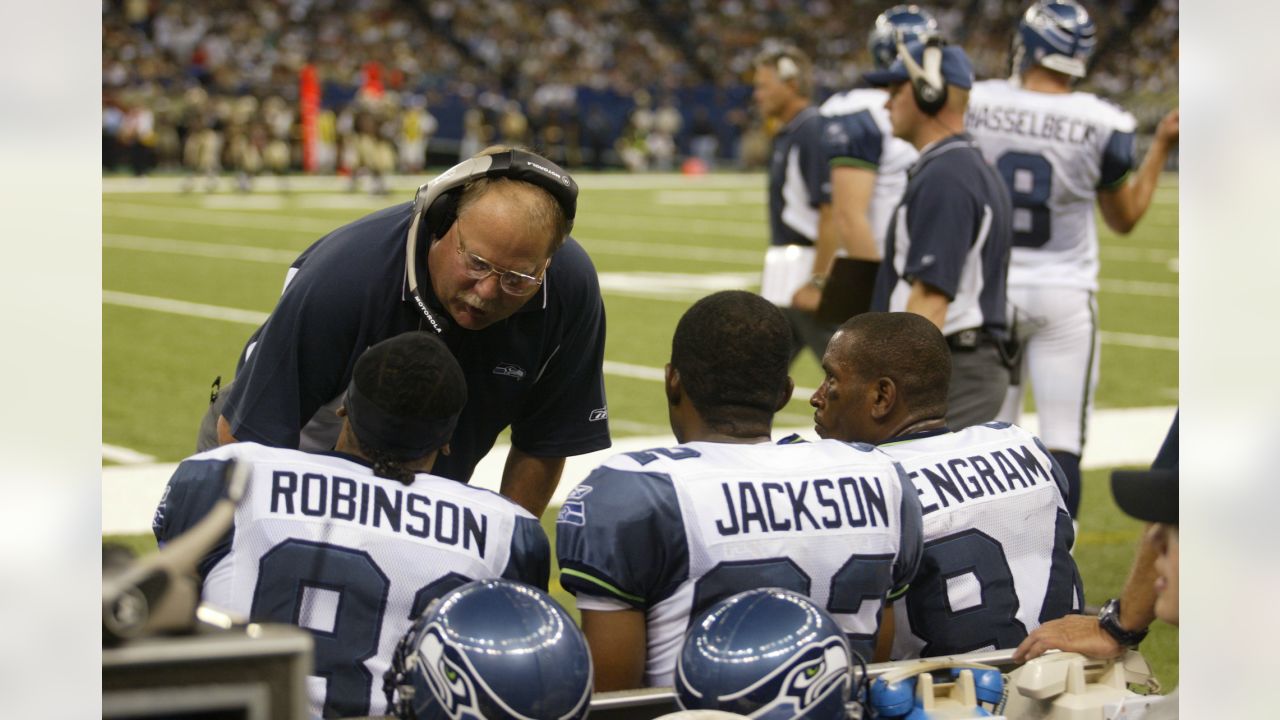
(1109, 620)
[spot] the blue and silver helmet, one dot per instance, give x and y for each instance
(765, 653)
(912, 21)
(1057, 34)
(492, 649)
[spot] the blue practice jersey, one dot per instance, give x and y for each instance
(322, 543)
(997, 541)
(671, 531)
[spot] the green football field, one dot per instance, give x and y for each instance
(186, 278)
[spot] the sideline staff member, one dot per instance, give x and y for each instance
(527, 331)
(947, 252)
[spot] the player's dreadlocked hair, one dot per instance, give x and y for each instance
(411, 380)
(732, 350)
(905, 347)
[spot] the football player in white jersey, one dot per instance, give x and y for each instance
(353, 544)
(868, 163)
(997, 537)
(650, 539)
(1059, 150)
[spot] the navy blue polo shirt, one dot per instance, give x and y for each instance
(952, 230)
(798, 172)
(538, 371)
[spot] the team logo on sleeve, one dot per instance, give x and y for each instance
(598, 414)
(573, 511)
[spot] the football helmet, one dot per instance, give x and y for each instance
(1058, 34)
(765, 653)
(491, 649)
(912, 21)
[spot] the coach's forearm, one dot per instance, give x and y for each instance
(530, 480)
(1138, 599)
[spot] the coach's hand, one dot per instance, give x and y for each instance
(807, 298)
(1072, 633)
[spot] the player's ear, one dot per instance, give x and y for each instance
(671, 384)
(786, 394)
(885, 397)
(341, 411)
(444, 449)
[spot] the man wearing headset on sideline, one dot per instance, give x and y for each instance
(798, 172)
(946, 255)
(483, 258)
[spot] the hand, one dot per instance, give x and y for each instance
(807, 298)
(1167, 130)
(1071, 633)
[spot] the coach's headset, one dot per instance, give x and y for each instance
(928, 86)
(437, 202)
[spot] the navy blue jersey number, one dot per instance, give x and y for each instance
(861, 579)
(294, 566)
(992, 622)
(644, 457)
(291, 568)
(1030, 181)
(1065, 585)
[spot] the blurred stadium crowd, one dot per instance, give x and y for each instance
(213, 85)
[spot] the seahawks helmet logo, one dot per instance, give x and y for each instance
(797, 685)
(451, 681)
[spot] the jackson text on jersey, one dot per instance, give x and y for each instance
(762, 507)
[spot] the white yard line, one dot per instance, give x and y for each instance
(251, 317)
(1138, 287)
(125, 456)
(190, 248)
(1128, 436)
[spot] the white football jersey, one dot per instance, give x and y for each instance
(671, 531)
(322, 543)
(997, 541)
(858, 133)
(1054, 151)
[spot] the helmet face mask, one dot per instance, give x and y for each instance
(492, 649)
(766, 653)
(1055, 34)
(906, 22)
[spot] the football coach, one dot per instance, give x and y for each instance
(482, 257)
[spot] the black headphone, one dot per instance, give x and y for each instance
(928, 86)
(437, 202)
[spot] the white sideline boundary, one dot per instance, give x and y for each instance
(1129, 436)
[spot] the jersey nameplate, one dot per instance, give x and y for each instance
(978, 477)
(382, 506)
(751, 508)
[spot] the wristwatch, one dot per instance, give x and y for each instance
(1109, 620)
(818, 281)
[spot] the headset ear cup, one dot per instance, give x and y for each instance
(441, 214)
(929, 99)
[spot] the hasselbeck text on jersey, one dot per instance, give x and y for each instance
(1016, 121)
(761, 507)
(382, 506)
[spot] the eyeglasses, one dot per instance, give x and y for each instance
(512, 282)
